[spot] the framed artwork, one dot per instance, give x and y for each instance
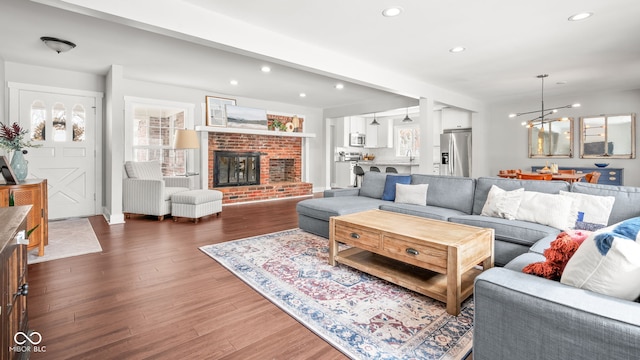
(246, 118)
(216, 110)
(7, 172)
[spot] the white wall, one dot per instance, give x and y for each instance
(504, 140)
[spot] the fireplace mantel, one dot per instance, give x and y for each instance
(227, 130)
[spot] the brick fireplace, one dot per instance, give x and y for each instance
(280, 166)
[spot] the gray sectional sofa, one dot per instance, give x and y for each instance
(517, 316)
(455, 199)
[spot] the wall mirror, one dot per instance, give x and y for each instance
(551, 138)
(608, 136)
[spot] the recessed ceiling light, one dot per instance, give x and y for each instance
(303, 95)
(265, 69)
(457, 49)
(580, 16)
(561, 82)
(339, 86)
(392, 11)
(233, 82)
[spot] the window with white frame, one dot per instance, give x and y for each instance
(153, 126)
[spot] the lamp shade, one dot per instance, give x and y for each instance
(186, 139)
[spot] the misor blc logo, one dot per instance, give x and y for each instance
(27, 342)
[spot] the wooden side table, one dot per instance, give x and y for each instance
(31, 192)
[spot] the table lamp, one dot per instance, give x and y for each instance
(186, 139)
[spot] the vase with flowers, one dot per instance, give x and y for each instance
(12, 139)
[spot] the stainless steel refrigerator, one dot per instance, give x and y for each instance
(455, 152)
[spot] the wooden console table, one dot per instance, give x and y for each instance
(31, 192)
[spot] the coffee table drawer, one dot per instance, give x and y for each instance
(359, 237)
(414, 253)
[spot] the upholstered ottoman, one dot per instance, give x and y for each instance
(195, 204)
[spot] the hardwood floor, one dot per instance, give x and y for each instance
(152, 293)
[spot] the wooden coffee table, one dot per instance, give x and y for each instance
(435, 258)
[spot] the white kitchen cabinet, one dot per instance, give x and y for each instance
(455, 119)
(372, 136)
(385, 133)
(357, 124)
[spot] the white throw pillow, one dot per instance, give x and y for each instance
(411, 194)
(592, 211)
(501, 203)
(608, 262)
(548, 209)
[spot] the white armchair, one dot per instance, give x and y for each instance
(145, 191)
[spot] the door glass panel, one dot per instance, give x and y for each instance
(59, 122)
(38, 121)
(78, 123)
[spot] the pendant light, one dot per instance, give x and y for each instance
(374, 122)
(407, 118)
(543, 112)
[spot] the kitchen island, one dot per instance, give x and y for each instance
(403, 167)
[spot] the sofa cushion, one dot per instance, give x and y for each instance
(431, 212)
(324, 208)
(412, 194)
(627, 204)
(548, 209)
(513, 231)
(483, 186)
(502, 204)
(389, 192)
(373, 184)
(451, 192)
(608, 262)
(592, 211)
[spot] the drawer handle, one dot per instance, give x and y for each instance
(612, 178)
(355, 235)
(612, 172)
(411, 251)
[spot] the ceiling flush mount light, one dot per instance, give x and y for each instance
(457, 49)
(265, 69)
(580, 16)
(392, 11)
(57, 45)
(407, 118)
(339, 86)
(374, 122)
(543, 112)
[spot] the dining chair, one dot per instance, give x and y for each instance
(567, 171)
(374, 168)
(592, 177)
(522, 176)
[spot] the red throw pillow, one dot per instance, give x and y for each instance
(557, 255)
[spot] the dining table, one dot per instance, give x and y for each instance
(570, 178)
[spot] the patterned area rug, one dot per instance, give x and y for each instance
(362, 316)
(69, 237)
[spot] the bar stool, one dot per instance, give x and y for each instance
(374, 168)
(359, 173)
(391, 169)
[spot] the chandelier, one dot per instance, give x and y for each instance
(543, 112)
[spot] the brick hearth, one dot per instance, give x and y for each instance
(287, 149)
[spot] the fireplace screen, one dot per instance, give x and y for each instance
(236, 169)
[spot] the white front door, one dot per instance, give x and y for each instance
(65, 127)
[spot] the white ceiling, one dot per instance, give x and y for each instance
(508, 43)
